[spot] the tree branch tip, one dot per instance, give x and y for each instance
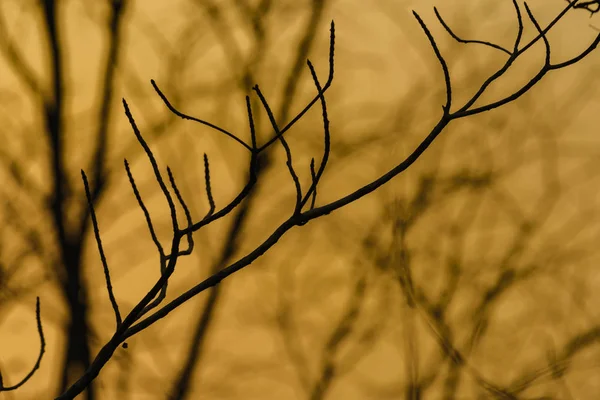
(160, 93)
(420, 21)
(126, 107)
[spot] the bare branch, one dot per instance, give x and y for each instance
(211, 201)
(136, 320)
(200, 121)
(326, 148)
(465, 41)
(593, 6)
(186, 210)
(36, 366)
(442, 61)
(286, 147)
(109, 287)
(314, 100)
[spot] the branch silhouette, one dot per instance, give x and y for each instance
(151, 308)
(37, 364)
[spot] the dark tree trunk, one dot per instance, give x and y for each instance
(77, 354)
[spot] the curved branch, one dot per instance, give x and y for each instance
(467, 41)
(36, 366)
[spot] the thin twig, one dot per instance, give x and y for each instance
(286, 147)
(109, 288)
(327, 142)
(442, 61)
(200, 121)
(37, 364)
(466, 41)
(211, 201)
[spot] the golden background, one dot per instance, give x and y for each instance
(496, 223)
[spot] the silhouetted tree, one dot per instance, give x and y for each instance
(156, 304)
